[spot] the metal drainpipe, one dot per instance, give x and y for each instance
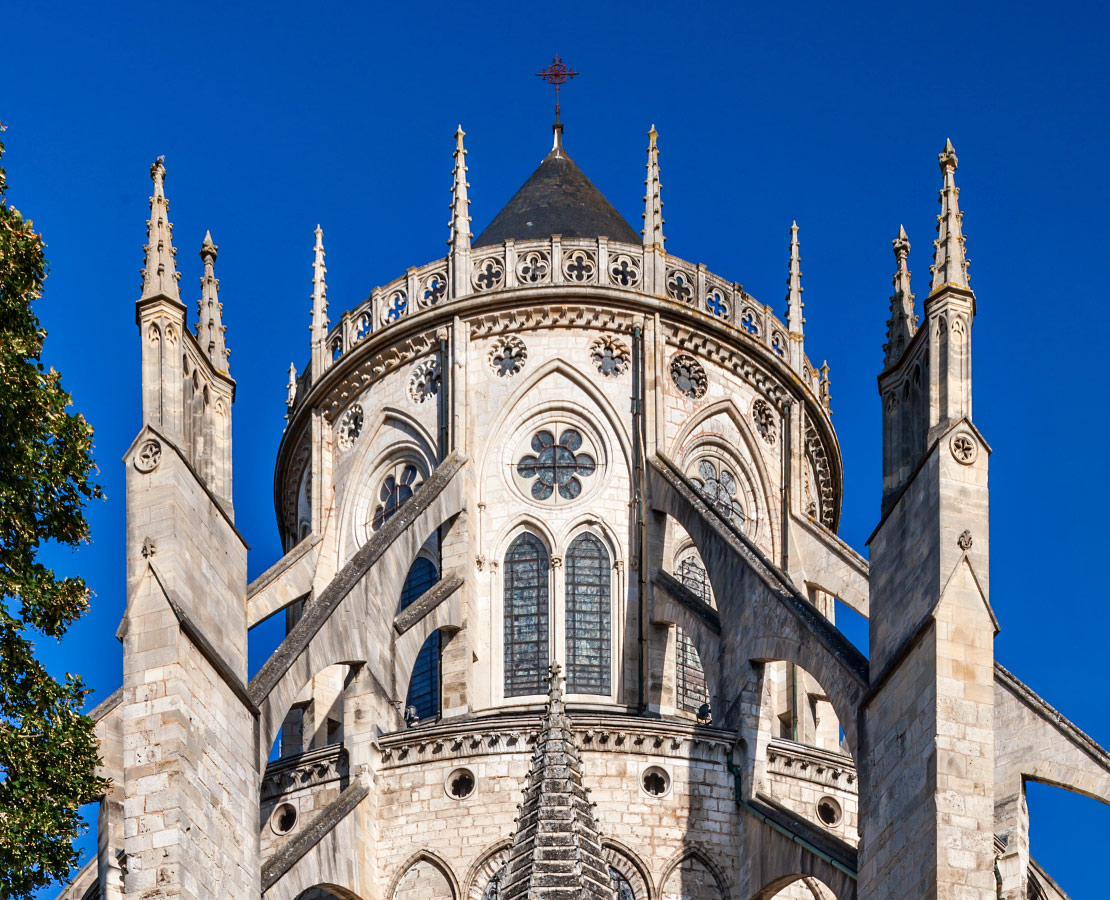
(737, 785)
(444, 399)
(794, 703)
(638, 479)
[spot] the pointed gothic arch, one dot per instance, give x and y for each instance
(423, 868)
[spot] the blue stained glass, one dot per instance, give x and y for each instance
(588, 612)
(527, 581)
(424, 685)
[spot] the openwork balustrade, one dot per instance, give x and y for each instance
(556, 261)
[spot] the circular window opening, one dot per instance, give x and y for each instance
(460, 784)
(655, 781)
(284, 818)
(828, 811)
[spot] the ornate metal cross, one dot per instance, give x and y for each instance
(558, 74)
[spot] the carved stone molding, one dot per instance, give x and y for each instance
(531, 318)
(304, 771)
(813, 765)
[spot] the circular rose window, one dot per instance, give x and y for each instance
(558, 464)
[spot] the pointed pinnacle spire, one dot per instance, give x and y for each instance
(653, 203)
(210, 324)
(949, 258)
(902, 325)
(319, 292)
(291, 387)
(794, 304)
(557, 849)
(160, 275)
(460, 203)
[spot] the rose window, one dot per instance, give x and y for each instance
(508, 356)
(717, 486)
(610, 356)
(556, 465)
(397, 488)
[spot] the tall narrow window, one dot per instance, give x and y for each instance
(588, 614)
(691, 572)
(424, 693)
(691, 691)
(527, 582)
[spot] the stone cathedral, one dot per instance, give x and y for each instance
(559, 516)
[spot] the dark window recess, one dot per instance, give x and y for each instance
(588, 611)
(424, 684)
(690, 687)
(527, 583)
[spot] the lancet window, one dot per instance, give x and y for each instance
(527, 597)
(424, 684)
(588, 613)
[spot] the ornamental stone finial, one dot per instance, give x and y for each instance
(319, 326)
(210, 325)
(653, 203)
(460, 202)
(949, 257)
(794, 304)
(160, 274)
(902, 324)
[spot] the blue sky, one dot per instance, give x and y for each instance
(276, 117)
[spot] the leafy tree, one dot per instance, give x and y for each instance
(48, 753)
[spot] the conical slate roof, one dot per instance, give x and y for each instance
(557, 199)
(556, 852)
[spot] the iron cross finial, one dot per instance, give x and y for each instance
(558, 74)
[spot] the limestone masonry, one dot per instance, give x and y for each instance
(559, 515)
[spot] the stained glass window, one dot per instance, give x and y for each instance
(424, 692)
(691, 691)
(588, 613)
(397, 488)
(692, 574)
(527, 580)
(620, 885)
(556, 465)
(718, 486)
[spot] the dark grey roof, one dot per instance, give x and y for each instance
(557, 199)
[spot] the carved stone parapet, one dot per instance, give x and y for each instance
(304, 771)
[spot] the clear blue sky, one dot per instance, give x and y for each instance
(275, 118)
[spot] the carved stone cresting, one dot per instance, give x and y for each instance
(965, 540)
(610, 355)
(148, 455)
(764, 418)
(580, 266)
(349, 427)
(425, 380)
(964, 448)
(308, 770)
(488, 274)
(624, 271)
(689, 376)
(508, 356)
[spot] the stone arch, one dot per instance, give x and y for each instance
(424, 876)
(762, 616)
(762, 482)
(364, 592)
(692, 875)
(368, 465)
(621, 858)
(798, 887)
(492, 861)
(609, 414)
(327, 892)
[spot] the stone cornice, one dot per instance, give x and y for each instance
(497, 735)
(303, 771)
(836, 770)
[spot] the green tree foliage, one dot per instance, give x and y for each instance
(48, 754)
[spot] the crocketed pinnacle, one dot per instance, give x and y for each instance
(460, 203)
(653, 203)
(160, 269)
(556, 852)
(949, 259)
(210, 323)
(319, 292)
(794, 304)
(903, 323)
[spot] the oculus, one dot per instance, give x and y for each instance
(688, 376)
(508, 356)
(349, 427)
(556, 465)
